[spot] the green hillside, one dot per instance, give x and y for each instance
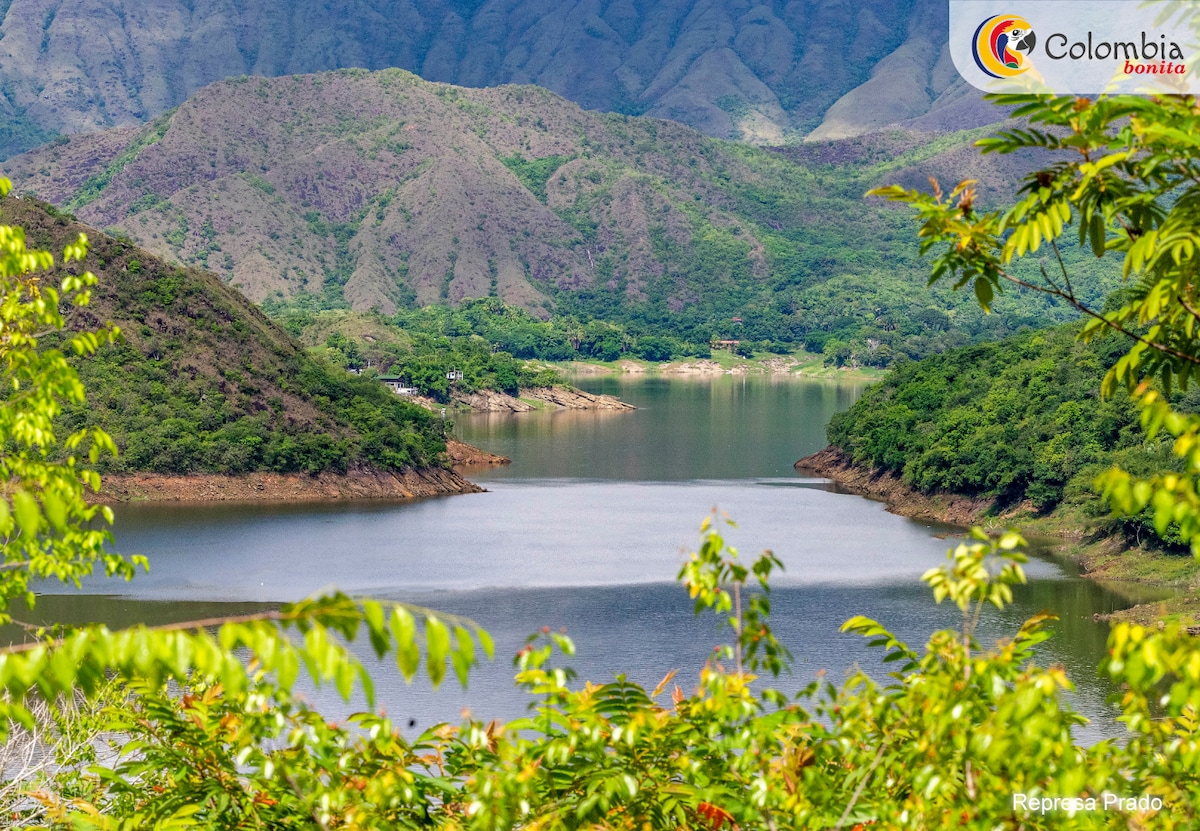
(203, 381)
(1016, 420)
(380, 190)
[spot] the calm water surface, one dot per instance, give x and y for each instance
(585, 532)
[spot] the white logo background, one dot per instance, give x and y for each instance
(1107, 21)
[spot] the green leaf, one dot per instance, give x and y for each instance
(376, 627)
(437, 644)
(463, 656)
(1096, 233)
(983, 293)
(287, 668)
(485, 641)
(404, 631)
(29, 516)
(56, 510)
(368, 685)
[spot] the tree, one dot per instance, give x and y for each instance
(1128, 179)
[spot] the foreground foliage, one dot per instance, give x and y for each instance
(208, 733)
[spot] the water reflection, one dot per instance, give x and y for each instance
(728, 427)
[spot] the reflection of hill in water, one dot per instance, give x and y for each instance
(685, 428)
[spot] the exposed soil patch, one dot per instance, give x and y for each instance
(700, 367)
(283, 487)
(901, 498)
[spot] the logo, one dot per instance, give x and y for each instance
(999, 43)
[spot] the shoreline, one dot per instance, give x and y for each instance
(1100, 557)
(528, 400)
(799, 365)
(887, 487)
(359, 483)
(414, 483)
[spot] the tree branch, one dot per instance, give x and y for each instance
(1189, 308)
(862, 784)
(1070, 298)
(1062, 267)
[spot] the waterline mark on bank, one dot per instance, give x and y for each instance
(1077, 47)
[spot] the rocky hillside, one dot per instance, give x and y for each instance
(764, 71)
(380, 190)
(202, 382)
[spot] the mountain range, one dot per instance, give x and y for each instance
(767, 71)
(378, 190)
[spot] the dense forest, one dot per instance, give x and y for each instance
(1020, 419)
(852, 322)
(201, 380)
(357, 339)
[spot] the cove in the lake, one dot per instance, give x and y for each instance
(586, 531)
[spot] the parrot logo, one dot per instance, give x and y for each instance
(999, 43)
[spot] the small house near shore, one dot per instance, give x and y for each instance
(397, 385)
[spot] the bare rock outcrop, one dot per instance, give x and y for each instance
(463, 456)
(491, 401)
(568, 398)
(563, 398)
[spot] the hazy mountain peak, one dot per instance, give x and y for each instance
(761, 71)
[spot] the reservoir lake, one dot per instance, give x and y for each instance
(585, 532)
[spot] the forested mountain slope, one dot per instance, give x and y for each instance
(1017, 420)
(764, 71)
(380, 190)
(203, 382)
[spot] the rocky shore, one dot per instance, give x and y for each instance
(885, 486)
(283, 487)
(568, 398)
(464, 456)
(361, 483)
(561, 398)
